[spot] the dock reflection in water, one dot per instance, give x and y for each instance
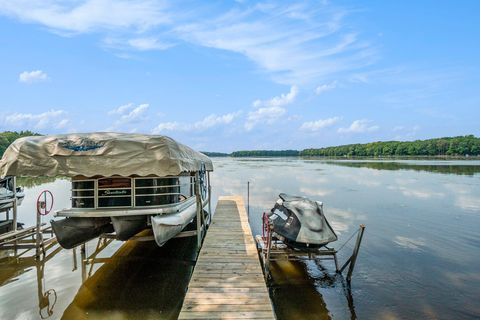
(295, 289)
(138, 281)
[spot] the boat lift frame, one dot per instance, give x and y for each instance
(271, 248)
(38, 237)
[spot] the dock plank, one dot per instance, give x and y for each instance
(227, 282)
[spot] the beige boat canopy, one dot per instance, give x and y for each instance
(104, 154)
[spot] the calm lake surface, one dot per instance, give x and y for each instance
(420, 257)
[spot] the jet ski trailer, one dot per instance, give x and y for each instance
(121, 184)
(297, 229)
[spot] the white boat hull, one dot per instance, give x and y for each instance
(168, 226)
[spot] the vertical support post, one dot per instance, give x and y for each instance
(336, 261)
(14, 203)
(199, 210)
(355, 252)
(38, 233)
(83, 257)
(209, 198)
(75, 264)
(269, 246)
(248, 201)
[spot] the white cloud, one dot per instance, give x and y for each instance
(280, 101)
(213, 120)
(266, 115)
(325, 87)
(128, 115)
(32, 76)
(201, 125)
(49, 119)
(166, 126)
(359, 126)
(268, 111)
(139, 44)
(122, 109)
(89, 15)
(135, 113)
(144, 44)
(129, 112)
(295, 43)
(319, 124)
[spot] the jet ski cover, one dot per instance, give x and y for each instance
(301, 222)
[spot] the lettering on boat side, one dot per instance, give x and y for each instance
(113, 192)
(82, 145)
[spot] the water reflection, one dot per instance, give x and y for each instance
(139, 280)
(15, 263)
(469, 168)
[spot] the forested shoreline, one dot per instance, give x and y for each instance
(7, 137)
(447, 147)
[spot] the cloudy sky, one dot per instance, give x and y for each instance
(232, 75)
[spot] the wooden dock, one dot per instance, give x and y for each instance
(227, 282)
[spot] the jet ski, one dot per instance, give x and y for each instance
(300, 223)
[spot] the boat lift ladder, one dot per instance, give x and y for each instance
(271, 248)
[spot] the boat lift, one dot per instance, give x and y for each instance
(271, 248)
(38, 237)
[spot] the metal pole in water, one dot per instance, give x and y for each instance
(248, 201)
(199, 210)
(14, 203)
(353, 259)
(38, 234)
(209, 198)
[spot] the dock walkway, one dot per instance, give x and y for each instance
(227, 282)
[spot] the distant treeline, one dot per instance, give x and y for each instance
(7, 137)
(215, 154)
(450, 146)
(266, 153)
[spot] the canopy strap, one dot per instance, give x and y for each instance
(343, 245)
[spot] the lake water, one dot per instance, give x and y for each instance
(419, 258)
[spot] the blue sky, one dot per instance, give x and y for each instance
(224, 76)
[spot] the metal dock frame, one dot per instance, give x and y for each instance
(28, 238)
(272, 249)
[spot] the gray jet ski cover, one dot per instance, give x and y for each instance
(301, 222)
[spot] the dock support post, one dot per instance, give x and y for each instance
(209, 199)
(14, 203)
(269, 246)
(353, 258)
(199, 210)
(248, 201)
(38, 236)
(83, 258)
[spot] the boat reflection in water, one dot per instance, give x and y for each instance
(138, 281)
(14, 263)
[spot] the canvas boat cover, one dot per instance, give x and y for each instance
(104, 154)
(301, 222)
